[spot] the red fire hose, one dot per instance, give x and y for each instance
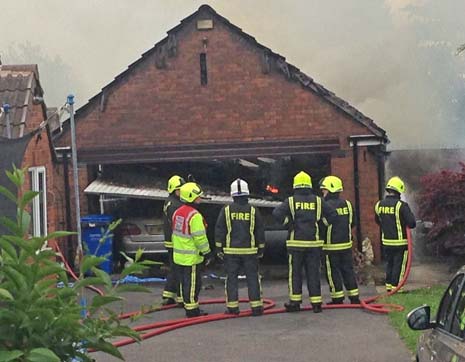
(158, 328)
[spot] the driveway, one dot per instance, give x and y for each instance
(334, 335)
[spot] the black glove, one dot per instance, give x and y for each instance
(260, 254)
(208, 258)
(220, 254)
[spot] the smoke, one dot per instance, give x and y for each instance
(392, 59)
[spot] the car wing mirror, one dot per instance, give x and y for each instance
(419, 318)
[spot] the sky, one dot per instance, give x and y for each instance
(394, 60)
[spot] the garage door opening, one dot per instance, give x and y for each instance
(136, 193)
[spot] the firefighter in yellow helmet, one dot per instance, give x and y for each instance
(190, 246)
(394, 216)
(302, 213)
(171, 291)
(240, 240)
(338, 243)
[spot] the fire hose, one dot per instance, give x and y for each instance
(157, 328)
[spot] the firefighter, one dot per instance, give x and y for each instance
(302, 213)
(240, 240)
(394, 216)
(190, 247)
(171, 292)
(338, 243)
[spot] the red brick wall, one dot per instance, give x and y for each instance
(169, 106)
(38, 153)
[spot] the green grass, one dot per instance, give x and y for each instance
(430, 296)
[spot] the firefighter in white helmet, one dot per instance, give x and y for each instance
(240, 240)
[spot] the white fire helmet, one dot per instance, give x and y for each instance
(239, 188)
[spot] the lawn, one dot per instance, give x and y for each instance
(430, 296)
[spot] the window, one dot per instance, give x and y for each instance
(39, 203)
(203, 69)
(458, 322)
(446, 309)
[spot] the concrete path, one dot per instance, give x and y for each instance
(332, 336)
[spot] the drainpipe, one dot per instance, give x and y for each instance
(358, 226)
(65, 152)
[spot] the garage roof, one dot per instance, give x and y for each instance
(99, 187)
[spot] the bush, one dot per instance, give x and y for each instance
(442, 201)
(40, 321)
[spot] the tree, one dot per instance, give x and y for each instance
(40, 321)
(442, 201)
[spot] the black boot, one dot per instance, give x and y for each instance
(292, 307)
(354, 300)
(168, 301)
(195, 313)
(257, 311)
(233, 311)
(316, 307)
(336, 301)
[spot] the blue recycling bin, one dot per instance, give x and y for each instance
(93, 228)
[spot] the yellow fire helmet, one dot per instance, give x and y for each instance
(302, 180)
(174, 183)
(189, 192)
(396, 184)
(332, 183)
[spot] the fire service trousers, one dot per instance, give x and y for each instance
(309, 260)
(190, 281)
(233, 265)
(339, 271)
(171, 290)
(396, 262)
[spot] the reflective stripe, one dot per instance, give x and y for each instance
(337, 295)
(393, 242)
(168, 244)
(291, 207)
(398, 224)
(167, 294)
(181, 251)
(252, 226)
(241, 251)
(232, 304)
(261, 246)
(218, 244)
(192, 291)
(289, 280)
(227, 215)
(351, 214)
(295, 297)
(191, 306)
(204, 246)
(181, 234)
(352, 292)
(256, 303)
(198, 233)
(318, 217)
(404, 264)
(332, 288)
(316, 299)
(338, 246)
(377, 208)
(328, 235)
(304, 243)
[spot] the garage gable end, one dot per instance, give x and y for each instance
(210, 82)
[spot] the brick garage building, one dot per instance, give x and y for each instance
(210, 91)
(25, 140)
